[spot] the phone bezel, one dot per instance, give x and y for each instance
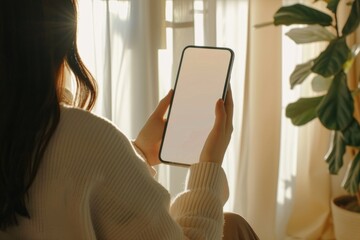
(226, 84)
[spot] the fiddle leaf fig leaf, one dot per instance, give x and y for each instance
(334, 157)
(303, 110)
(309, 34)
(320, 84)
(333, 5)
(352, 176)
(301, 14)
(300, 73)
(332, 59)
(352, 134)
(354, 19)
(336, 110)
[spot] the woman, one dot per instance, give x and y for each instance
(68, 174)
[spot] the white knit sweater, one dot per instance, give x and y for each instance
(93, 185)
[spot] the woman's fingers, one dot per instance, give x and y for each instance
(229, 108)
(220, 116)
(163, 105)
(220, 135)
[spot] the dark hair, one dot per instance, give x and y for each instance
(37, 41)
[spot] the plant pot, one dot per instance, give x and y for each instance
(346, 223)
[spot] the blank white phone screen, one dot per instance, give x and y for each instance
(202, 79)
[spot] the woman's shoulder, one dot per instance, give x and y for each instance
(87, 141)
(81, 115)
(79, 120)
(87, 130)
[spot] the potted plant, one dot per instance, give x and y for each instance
(336, 103)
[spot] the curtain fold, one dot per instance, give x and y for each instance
(260, 143)
(310, 213)
(210, 22)
(181, 24)
(182, 30)
(231, 31)
(125, 37)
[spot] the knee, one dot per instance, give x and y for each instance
(236, 227)
(234, 218)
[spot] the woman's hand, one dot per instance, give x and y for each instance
(220, 135)
(149, 138)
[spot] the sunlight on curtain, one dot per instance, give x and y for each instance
(304, 184)
(291, 55)
(231, 31)
(118, 41)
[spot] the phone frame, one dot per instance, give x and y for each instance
(226, 84)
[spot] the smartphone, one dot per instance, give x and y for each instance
(202, 78)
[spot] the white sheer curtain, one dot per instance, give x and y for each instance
(304, 183)
(260, 144)
(278, 179)
(119, 41)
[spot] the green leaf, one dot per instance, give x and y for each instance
(354, 19)
(303, 110)
(352, 176)
(333, 5)
(301, 14)
(300, 73)
(309, 34)
(336, 109)
(352, 134)
(334, 157)
(320, 84)
(332, 59)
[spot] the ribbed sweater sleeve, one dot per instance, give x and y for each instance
(199, 209)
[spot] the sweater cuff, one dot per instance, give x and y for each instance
(143, 158)
(208, 176)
